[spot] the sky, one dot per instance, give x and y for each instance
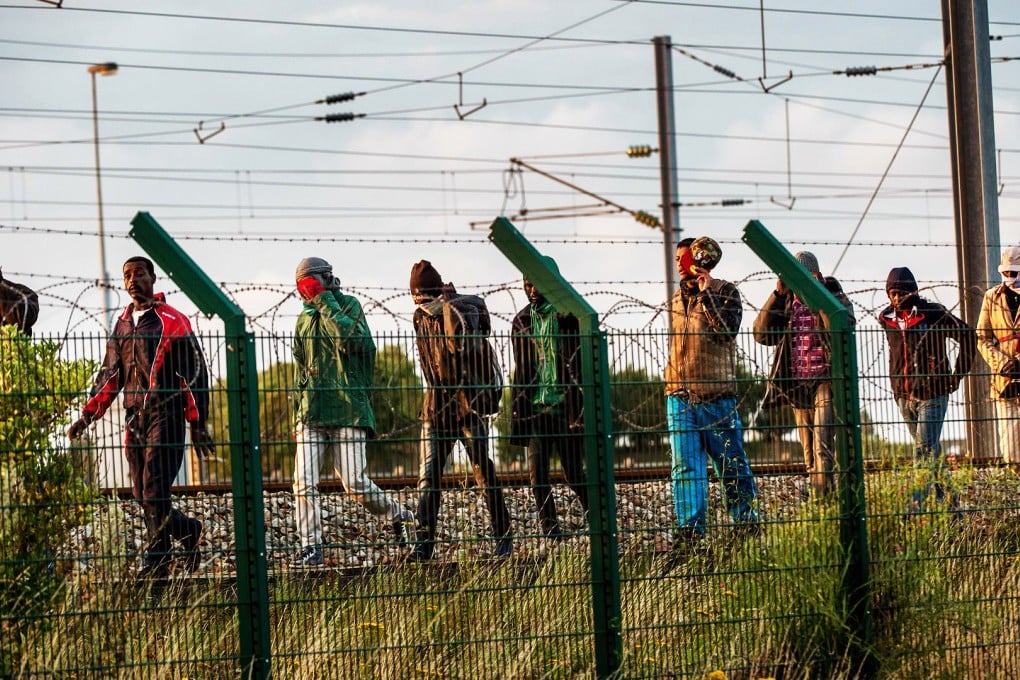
(567, 86)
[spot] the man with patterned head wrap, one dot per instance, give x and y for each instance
(701, 395)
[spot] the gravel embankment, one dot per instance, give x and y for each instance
(356, 539)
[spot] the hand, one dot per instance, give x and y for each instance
(1009, 368)
(201, 441)
(781, 288)
(704, 279)
(77, 428)
(310, 287)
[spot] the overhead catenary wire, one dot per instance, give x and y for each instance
(885, 174)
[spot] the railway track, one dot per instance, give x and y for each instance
(510, 479)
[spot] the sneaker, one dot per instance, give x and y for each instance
(504, 547)
(154, 567)
(422, 552)
(310, 556)
(552, 530)
(403, 527)
(191, 556)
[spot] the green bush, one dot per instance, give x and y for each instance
(42, 493)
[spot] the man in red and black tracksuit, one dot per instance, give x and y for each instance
(153, 356)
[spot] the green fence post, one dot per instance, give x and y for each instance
(245, 443)
(846, 402)
(598, 439)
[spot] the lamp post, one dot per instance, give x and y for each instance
(106, 69)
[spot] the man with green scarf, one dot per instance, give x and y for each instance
(546, 400)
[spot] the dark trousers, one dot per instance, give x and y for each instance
(154, 446)
(553, 432)
(437, 441)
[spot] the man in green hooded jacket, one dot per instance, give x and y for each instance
(334, 364)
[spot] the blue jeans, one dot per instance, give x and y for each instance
(924, 419)
(709, 430)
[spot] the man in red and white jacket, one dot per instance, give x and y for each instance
(153, 356)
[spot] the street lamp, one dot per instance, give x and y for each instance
(106, 69)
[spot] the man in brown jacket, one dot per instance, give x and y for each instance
(701, 394)
(998, 340)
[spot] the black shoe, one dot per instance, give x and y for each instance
(685, 538)
(504, 547)
(422, 552)
(154, 567)
(191, 555)
(552, 531)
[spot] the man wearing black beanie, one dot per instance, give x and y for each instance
(455, 407)
(917, 331)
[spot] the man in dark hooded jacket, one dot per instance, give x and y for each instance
(449, 413)
(917, 331)
(546, 396)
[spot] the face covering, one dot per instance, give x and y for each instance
(1011, 281)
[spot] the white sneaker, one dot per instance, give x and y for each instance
(310, 556)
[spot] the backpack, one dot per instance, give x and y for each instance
(466, 330)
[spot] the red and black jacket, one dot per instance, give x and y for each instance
(158, 364)
(918, 357)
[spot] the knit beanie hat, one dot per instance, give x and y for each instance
(901, 278)
(312, 265)
(809, 261)
(425, 279)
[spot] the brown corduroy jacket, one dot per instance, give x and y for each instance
(702, 349)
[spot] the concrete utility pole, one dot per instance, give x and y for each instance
(667, 158)
(105, 69)
(975, 189)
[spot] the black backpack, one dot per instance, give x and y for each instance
(466, 329)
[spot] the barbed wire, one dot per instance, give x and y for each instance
(636, 335)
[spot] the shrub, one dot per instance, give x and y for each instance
(42, 493)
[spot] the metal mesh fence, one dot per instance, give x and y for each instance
(761, 601)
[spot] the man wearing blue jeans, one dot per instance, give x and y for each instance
(701, 394)
(918, 331)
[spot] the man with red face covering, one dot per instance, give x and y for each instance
(334, 367)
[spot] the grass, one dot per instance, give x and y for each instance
(944, 594)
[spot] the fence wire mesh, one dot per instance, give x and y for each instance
(761, 601)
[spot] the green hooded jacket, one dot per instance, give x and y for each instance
(334, 363)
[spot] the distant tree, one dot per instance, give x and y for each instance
(396, 400)
(638, 405)
(276, 426)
